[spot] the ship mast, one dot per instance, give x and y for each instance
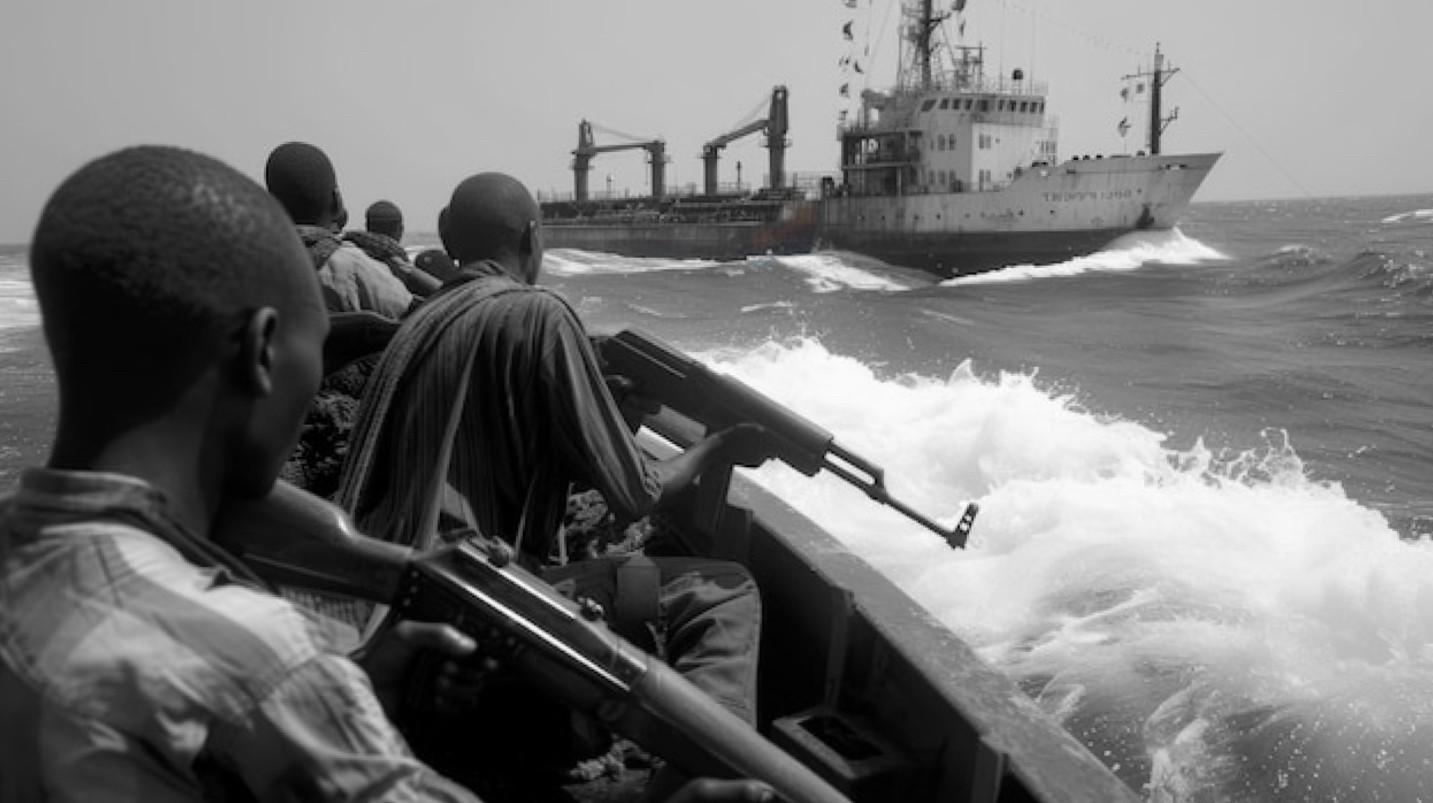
(920, 32)
(1157, 121)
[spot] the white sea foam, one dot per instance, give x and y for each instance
(1415, 216)
(1128, 253)
(574, 262)
(18, 308)
(784, 306)
(1214, 628)
(830, 272)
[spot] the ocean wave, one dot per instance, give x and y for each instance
(831, 271)
(1213, 625)
(1419, 216)
(18, 307)
(1364, 279)
(574, 262)
(1290, 265)
(1130, 252)
(1410, 278)
(782, 306)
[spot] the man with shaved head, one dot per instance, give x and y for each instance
(137, 660)
(354, 280)
(303, 179)
(511, 366)
(382, 240)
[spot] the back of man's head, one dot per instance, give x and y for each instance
(302, 178)
(488, 217)
(384, 217)
(144, 260)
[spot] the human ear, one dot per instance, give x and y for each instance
(255, 366)
(530, 250)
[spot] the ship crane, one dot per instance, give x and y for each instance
(775, 126)
(587, 148)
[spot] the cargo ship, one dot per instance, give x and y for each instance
(717, 223)
(953, 171)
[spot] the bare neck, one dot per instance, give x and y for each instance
(173, 452)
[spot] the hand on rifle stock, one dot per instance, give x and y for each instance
(389, 657)
(635, 407)
(747, 445)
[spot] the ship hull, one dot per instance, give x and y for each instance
(1047, 215)
(674, 238)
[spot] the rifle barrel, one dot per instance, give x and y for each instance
(874, 484)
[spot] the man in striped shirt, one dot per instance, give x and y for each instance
(137, 660)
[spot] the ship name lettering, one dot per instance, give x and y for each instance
(1058, 197)
(1069, 197)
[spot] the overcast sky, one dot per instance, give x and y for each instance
(1305, 97)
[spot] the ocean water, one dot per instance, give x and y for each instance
(1202, 459)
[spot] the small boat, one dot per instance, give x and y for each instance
(863, 695)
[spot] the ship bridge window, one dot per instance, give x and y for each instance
(968, 103)
(1024, 106)
(945, 103)
(928, 105)
(985, 105)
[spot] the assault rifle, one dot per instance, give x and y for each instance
(564, 647)
(663, 374)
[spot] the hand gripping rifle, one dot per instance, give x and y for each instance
(663, 374)
(564, 647)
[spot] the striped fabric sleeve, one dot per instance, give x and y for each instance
(590, 433)
(322, 735)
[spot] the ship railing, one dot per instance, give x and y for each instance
(951, 81)
(804, 186)
(568, 196)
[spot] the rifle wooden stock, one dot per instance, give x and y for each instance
(562, 646)
(294, 538)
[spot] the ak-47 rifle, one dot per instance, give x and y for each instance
(661, 373)
(294, 538)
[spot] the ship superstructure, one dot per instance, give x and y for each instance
(957, 171)
(941, 130)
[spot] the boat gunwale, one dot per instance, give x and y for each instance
(998, 723)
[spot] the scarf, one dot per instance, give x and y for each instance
(392, 475)
(320, 242)
(379, 246)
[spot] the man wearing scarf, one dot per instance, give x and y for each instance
(492, 390)
(302, 178)
(382, 240)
